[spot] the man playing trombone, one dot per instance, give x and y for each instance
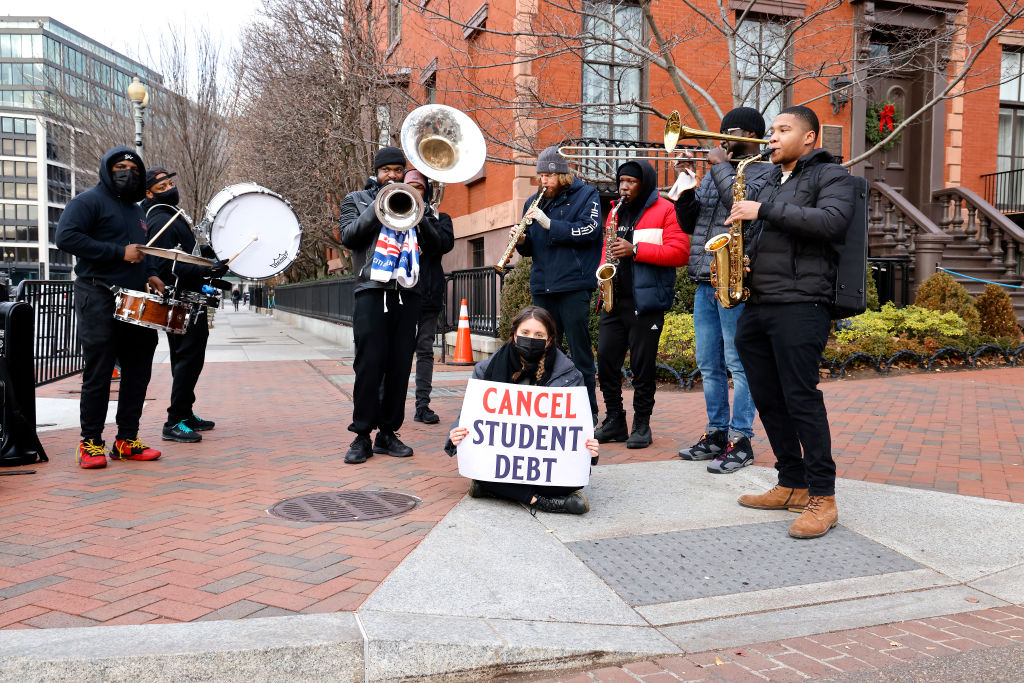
(383, 322)
(701, 214)
(564, 239)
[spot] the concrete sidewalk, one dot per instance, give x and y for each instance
(665, 563)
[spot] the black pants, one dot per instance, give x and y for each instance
(385, 341)
(188, 353)
(235, 301)
(425, 357)
(571, 311)
(106, 340)
(524, 493)
(780, 347)
(619, 331)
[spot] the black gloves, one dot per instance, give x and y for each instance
(219, 269)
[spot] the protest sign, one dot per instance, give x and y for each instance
(525, 435)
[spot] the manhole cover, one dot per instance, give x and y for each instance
(344, 506)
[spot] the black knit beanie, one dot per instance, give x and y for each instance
(387, 156)
(744, 118)
(630, 168)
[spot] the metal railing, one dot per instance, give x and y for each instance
(601, 172)
(56, 351)
(331, 299)
(1005, 190)
(892, 279)
(481, 288)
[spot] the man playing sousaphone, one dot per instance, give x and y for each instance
(564, 239)
(104, 228)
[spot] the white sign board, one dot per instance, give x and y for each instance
(525, 435)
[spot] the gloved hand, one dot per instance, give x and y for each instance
(542, 218)
(219, 269)
(207, 251)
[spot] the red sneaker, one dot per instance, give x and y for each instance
(133, 449)
(91, 455)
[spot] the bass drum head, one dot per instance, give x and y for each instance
(257, 225)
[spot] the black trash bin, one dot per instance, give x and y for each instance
(19, 442)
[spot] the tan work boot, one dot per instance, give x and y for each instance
(817, 519)
(779, 498)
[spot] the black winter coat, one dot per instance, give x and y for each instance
(702, 211)
(98, 224)
(791, 252)
(179, 234)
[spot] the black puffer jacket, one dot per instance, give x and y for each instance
(98, 224)
(791, 253)
(359, 230)
(702, 211)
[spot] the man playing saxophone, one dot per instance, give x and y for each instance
(563, 236)
(801, 212)
(649, 247)
(701, 214)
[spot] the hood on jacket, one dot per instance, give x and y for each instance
(115, 155)
(648, 189)
(818, 156)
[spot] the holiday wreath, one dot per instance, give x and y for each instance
(882, 119)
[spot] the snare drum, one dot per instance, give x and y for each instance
(151, 310)
(238, 214)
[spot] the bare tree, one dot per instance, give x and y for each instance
(314, 102)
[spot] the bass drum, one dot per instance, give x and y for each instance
(256, 228)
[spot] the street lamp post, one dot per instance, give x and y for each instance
(9, 262)
(140, 100)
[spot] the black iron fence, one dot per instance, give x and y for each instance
(481, 288)
(331, 299)
(892, 279)
(1005, 190)
(56, 351)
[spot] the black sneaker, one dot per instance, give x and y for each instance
(737, 455)
(359, 450)
(198, 424)
(388, 442)
(707, 447)
(612, 429)
(476, 490)
(640, 437)
(426, 416)
(181, 433)
(574, 504)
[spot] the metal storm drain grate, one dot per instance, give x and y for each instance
(344, 506)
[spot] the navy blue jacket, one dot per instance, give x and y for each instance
(566, 256)
(98, 224)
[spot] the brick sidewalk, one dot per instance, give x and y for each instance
(188, 537)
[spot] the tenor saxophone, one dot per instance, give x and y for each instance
(606, 271)
(729, 264)
(520, 229)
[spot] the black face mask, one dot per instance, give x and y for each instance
(167, 197)
(530, 349)
(126, 181)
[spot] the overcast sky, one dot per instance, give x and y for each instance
(129, 26)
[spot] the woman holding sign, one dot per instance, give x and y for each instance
(529, 357)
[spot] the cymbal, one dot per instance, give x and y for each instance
(176, 255)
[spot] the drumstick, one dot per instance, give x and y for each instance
(242, 249)
(166, 225)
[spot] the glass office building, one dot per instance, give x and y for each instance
(43, 66)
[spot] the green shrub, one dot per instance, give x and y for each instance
(941, 292)
(996, 312)
(677, 343)
(515, 295)
(686, 289)
(914, 322)
(872, 293)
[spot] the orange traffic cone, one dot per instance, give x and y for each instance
(463, 342)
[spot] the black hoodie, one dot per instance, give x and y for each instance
(98, 224)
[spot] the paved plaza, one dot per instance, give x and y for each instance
(189, 576)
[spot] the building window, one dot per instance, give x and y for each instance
(383, 125)
(476, 23)
(762, 65)
(612, 77)
(1010, 150)
(394, 22)
(476, 252)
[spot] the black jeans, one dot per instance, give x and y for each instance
(188, 354)
(524, 493)
(385, 341)
(780, 347)
(619, 331)
(571, 311)
(106, 341)
(425, 357)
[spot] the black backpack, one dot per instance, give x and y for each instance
(19, 443)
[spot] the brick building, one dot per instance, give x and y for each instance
(534, 73)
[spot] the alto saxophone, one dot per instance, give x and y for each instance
(507, 256)
(606, 271)
(727, 268)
